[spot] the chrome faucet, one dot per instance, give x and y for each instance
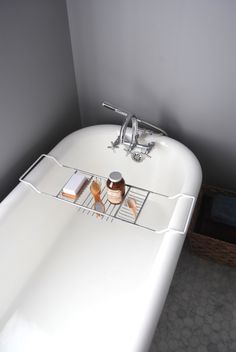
(133, 142)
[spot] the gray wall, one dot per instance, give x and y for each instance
(171, 62)
(38, 98)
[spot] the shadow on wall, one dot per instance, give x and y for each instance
(212, 155)
(43, 144)
(169, 122)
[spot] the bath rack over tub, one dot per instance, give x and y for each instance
(152, 207)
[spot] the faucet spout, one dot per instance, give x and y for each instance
(124, 128)
(135, 134)
(119, 111)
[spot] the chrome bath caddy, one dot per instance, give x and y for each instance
(147, 202)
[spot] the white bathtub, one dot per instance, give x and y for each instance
(73, 282)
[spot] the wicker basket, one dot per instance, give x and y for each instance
(204, 243)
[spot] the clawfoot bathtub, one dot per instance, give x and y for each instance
(74, 281)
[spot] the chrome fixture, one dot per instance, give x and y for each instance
(136, 132)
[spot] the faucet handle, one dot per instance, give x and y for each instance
(150, 146)
(114, 145)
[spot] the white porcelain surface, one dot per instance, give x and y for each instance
(72, 282)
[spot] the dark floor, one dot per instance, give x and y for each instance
(200, 310)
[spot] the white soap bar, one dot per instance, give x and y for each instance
(74, 184)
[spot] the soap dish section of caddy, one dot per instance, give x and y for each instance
(154, 211)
